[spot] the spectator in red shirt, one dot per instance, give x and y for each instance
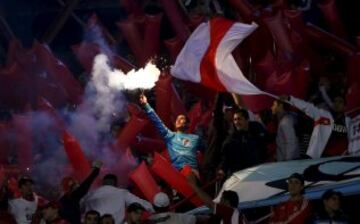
(296, 210)
(226, 211)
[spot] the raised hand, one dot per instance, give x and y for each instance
(97, 164)
(143, 99)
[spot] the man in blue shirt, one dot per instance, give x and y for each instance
(182, 147)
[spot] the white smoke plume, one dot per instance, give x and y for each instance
(90, 123)
(144, 78)
(104, 101)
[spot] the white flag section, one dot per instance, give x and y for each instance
(206, 57)
(354, 135)
(266, 184)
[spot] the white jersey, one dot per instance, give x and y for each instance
(354, 135)
(23, 210)
(112, 200)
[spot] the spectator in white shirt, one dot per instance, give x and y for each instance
(286, 140)
(161, 203)
(24, 208)
(108, 199)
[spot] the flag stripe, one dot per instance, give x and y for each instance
(187, 65)
(209, 77)
(207, 57)
(228, 71)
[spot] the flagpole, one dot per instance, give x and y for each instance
(271, 95)
(352, 110)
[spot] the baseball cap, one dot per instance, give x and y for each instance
(161, 200)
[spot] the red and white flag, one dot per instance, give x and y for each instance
(354, 135)
(206, 57)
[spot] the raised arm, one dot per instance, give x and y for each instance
(308, 108)
(84, 187)
(163, 130)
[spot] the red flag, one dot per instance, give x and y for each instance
(15, 88)
(60, 73)
(5, 142)
(144, 181)
(85, 53)
(76, 156)
(212, 64)
(167, 172)
(131, 130)
(24, 141)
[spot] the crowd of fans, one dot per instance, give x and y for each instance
(245, 145)
(232, 139)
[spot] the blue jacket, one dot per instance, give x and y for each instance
(182, 147)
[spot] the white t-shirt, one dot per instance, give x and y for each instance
(173, 218)
(112, 200)
(23, 210)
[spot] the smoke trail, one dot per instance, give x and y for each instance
(105, 102)
(49, 159)
(95, 34)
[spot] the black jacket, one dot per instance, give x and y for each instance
(216, 136)
(70, 203)
(323, 217)
(243, 149)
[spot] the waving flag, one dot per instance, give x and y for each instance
(206, 57)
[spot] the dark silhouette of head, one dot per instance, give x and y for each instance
(110, 179)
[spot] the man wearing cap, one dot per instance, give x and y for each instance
(331, 211)
(24, 208)
(109, 199)
(161, 204)
(134, 213)
(296, 209)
